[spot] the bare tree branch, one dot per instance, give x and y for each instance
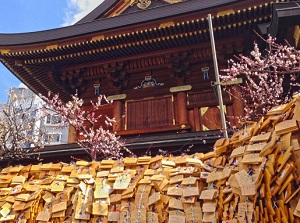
(19, 133)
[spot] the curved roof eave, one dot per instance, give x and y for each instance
(109, 23)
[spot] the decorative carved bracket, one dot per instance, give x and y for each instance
(180, 62)
(141, 4)
(144, 4)
(70, 80)
(149, 82)
(116, 73)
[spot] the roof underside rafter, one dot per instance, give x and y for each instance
(34, 58)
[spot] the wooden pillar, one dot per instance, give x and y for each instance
(117, 114)
(72, 134)
(181, 108)
(191, 117)
(197, 119)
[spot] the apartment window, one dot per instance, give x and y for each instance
(52, 137)
(48, 119)
(53, 119)
(56, 119)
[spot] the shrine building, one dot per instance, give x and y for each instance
(153, 58)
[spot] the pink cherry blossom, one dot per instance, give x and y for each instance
(97, 142)
(270, 76)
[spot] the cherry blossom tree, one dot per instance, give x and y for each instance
(20, 132)
(270, 76)
(97, 142)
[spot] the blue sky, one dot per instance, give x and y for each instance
(18, 16)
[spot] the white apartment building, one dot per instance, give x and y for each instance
(54, 134)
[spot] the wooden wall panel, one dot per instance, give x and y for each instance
(149, 113)
(231, 118)
(195, 98)
(106, 110)
(206, 98)
(210, 118)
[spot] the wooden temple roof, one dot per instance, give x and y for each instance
(284, 15)
(33, 57)
(100, 11)
(114, 23)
